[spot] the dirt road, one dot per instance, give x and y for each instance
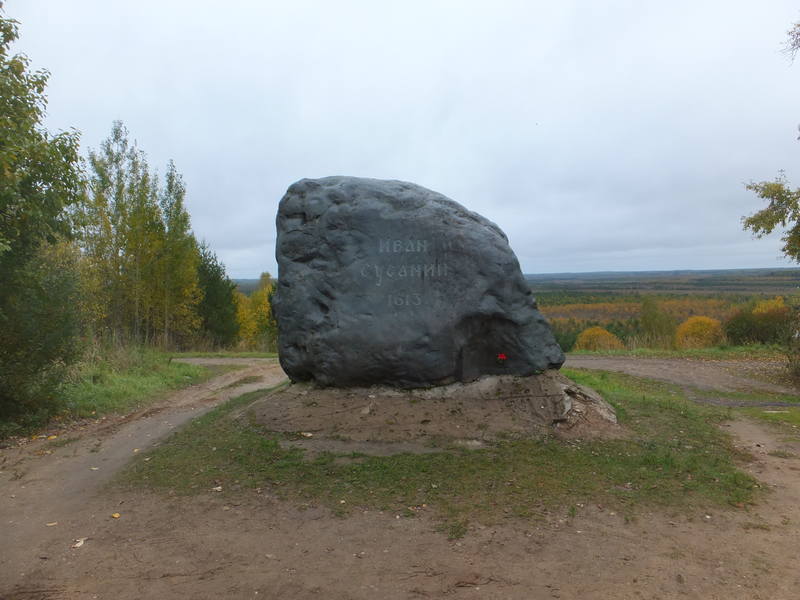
(44, 483)
(251, 545)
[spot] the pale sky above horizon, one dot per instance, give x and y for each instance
(605, 136)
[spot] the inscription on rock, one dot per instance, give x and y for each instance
(388, 282)
(407, 279)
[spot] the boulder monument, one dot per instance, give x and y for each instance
(387, 282)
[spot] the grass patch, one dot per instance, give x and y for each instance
(754, 352)
(789, 416)
(676, 457)
(756, 397)
(121, 384)
(224, 354)
(115, 379)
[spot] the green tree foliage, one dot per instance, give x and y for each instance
(765, 322)
(566, 332)
(39, 172)
(179, 259)
(39, 333)
(657, 327)
(782, 210)
(40, 180)
(137, 237)
(217, 309)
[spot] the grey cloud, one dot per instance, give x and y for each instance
(599, 136)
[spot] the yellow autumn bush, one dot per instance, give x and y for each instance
(768, 306)
(597, 338)
(699, 332)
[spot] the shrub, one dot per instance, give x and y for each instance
(699, 332)
(566, 332)
(40, 325)
(742, 328)
(767, 306)
(597, 338)
(766, 322)
(657, 327)
(792, 339)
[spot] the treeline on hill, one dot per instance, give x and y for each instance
(625, 322)
(97, 251)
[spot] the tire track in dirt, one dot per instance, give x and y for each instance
(42, 483)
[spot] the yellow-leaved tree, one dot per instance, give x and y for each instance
(257, 326)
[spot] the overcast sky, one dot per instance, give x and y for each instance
(599, 136)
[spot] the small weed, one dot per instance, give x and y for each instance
(455, 530)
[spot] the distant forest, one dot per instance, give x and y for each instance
(767, 282)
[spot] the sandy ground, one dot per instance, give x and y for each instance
(250, 545)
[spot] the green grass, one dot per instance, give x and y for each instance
(789, 416)
(677, 457)
(224, 354)
(114, 379)
(754, 397)
(754, 352)
(117, 384)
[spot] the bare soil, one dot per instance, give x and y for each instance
(379, 420)
(251, 545)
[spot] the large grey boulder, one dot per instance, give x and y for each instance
(386, 282)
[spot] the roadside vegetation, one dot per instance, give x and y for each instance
(720, 326)
(111, 380)
(97, 252)
(675, 456)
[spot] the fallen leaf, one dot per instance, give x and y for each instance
(53, 524)
(115, 515)
(79, 542)
(51, 437)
